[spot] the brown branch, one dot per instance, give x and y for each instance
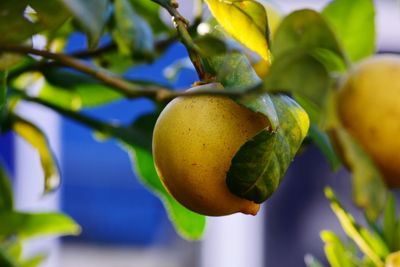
(119, 84)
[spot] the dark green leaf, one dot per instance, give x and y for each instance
(189, 224)
(3, 89)
(34, 136)
(321, 139)
(233, 71)
(336, 252)
(29, 225)
(6, 260)
(132, 34)
(210, 45)
(17, 23)
(151, 12)
(6, 193)
(259, 166)
(305, 30)
(354, 25)
(369, 190)
(371, 245)
(92, 16)
(390, 221)
(301, 74)
(246, 21)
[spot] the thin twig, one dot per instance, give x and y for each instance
(121, 85)
(182, 25)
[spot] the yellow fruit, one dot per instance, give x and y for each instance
(194, 141)
(369, 108)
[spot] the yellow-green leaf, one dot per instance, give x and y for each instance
(34, 136)
(246, 21)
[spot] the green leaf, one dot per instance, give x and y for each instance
(3, 89)
(390, 221)
(305, 30)
(233, 70)
(368, 243)
(34, 136)
(17, 24)
(321, 139)
(6, 193)
(210, 45)
(259, 166)
(34, 261)
(301, 74)
(76, 91)
(262, 104)
(6, 260)
(354, 25)
(151, 12)
(187, 223)
(92, 16)
(28, 225)
(246, 21)
(131, 32)
(369, 190)
(336, 251)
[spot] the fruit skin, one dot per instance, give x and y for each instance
(369, 108)
(194, 141)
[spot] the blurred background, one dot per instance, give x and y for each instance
(124, 225)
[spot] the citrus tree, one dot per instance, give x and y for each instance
(265, 83)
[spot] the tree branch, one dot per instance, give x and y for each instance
(181, 25)
(121, 85)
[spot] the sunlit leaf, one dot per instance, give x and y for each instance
(246, 21)
(335, 251)
(261, 163)
(35, 137)
(29, 225)
(366, 241)
(75, 91)
(393, 260)
(354, 25)
(92, 16)
(132, 34)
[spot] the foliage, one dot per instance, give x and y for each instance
(17, 227)
(305, 58)
(378, 243)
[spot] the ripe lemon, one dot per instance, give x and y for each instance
(194, 141)
(369, 108)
